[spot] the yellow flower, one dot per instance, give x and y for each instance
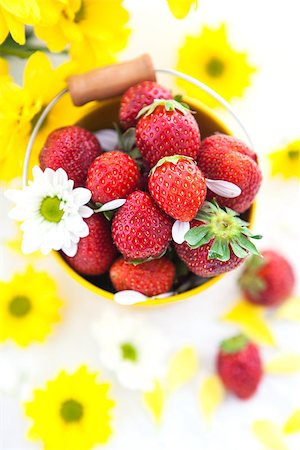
(95, 30)
(286, 161)
(181, 8)
(3, 69)
(72, 412)
(210, 58)
(13, 16)
(29, 307)
(20, 107)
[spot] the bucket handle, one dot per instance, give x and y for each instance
(114, 80)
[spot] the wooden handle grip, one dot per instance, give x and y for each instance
(110, 81)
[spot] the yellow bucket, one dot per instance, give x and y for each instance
(102, 117)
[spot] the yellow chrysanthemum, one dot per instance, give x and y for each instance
(21, 106)
(29, 307)
(210, 58)
(286, 161)
(181, 8)
(13, 16)
(95, 30)
(72, 412)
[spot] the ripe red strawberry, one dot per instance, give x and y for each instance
(267, 281)
(150, 278)
(178, 187)
(167, 128)
(239, 366)
(217, 242)
(220, 140)
(140, 229)
(72, 148)
(220, 159)
(137, 97)
(113, 175)
(96, 252)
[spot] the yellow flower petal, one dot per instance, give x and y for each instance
(269, 434)
(16, 28)
(3, 28)
(292, 425)
(23, 9)
(289, 310)
(211, 395)
(286, 161)
(155, 401)
(283, 364)
(250, 319)
(181, 8)
(182, 367)
(3, 67)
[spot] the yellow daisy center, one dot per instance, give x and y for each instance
(293, 154)
(50, 209)
(19, 306)
(71, 411)
(129, 352)
(215, 67)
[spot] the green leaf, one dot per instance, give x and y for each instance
(219, 250)
(247, 244)
(208, 237)
(238, 250)
(109, 214)
(194, 235)
(127, 140)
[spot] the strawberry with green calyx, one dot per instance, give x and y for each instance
(140, 229)
(138, 96)
(268, 280)
(217, 242)
(239, 366)
(150, 278)
(178, 187)
(166, 128)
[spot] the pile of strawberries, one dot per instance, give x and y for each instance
(166, 204)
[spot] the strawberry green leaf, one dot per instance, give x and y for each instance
(248, 245)
(238, 250)
(219, 250)
(194, 235)
(169, 105)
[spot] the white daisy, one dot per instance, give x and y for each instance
(136, 352)
(51, 212)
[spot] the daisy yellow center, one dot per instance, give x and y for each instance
(215, 67)
(129, 352)
(50, 209)
(71, 411)
(19, 306)
(293, 154)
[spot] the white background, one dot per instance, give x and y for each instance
(269, 30)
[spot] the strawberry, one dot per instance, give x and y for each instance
(140, 229)
(221, 159)
(220, 140)
(217, 242)
(113, 175)
(167, 128)
(267, 281)
(136, 98)
(239, 366)
(150, 278)
(72, 148)
(178, 187)
(96, 252)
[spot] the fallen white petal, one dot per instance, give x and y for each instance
(128, 298)
(179, 229)
(223, 188)
(114, 204)
(165, 295)
(108, 139)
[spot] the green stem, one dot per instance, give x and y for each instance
(20, 51)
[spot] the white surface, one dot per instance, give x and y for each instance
(270, 30)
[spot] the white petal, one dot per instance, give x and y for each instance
(71, 250)
(13, 194)
(29, 246)
(223, 188)
(81, 196)
(108, 139)
(179, 229)
(128, 297)
(85, 211)
(37, 174)
(165, 295)
(60, 177)
(114, 204)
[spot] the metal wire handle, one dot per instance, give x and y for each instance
(175, 73)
